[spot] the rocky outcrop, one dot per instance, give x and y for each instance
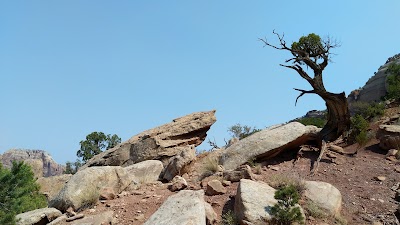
(324, 195)
(50, 186)
(38, 216)
(86, 185)
(267, 143)
(161, 143)
(253, 202)
(183, 208)
(389, 136)
(41, 162)
(376, 86)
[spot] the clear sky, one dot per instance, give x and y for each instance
(68, 68)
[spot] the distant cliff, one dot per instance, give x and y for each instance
(41, 162)
(376, 86)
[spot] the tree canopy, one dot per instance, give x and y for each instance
(18, 192)
(95, 143)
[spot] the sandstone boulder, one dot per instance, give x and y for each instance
(42, 163)
(177, 184)
(145, 172)
(253, 202)
(160, 143)
(215, 187)
(183, 208)
(50, 186)
(267, 143)
(38, 216)
(86, 186)
(324, 195)
(389, 136)
(176, 163)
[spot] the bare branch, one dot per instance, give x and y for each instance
(302, 93)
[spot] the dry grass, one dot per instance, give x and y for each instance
(89, 198)
(315, 211)
(278, 181)
(210, 165)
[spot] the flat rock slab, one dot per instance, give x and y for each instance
(267, 143)
(145, 172)
(38, 216)
(184, 208)
(253, 202)
(99, 219)
(324, 195)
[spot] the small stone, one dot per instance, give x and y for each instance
(376, 223)
(397, 169)
(215, 187)
(381, 200)
(380, 178)
(108, 205)
(372, 199)
(330, 155)
(226, 183)
(139, 217)
(92, 210)
(274, 168)
(392, 152)
(178, 183)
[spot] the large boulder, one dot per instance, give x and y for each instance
(389, 136)
(160, 143)
(50, 186)
(324, 195)
(183, 208)
(267, 143)
(253, 202)
(148, 171)
(376, 87)
(42, 163)
(86, 185)
(178, 162)
(38, 216)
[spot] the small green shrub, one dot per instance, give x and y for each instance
(358, 132)
(240, 132)
(285, 212)
(229, 218)
(368, 110)
(340, 220)
(318, 122)
(393, 81)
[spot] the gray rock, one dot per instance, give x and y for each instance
(42, 163)
(243, 172)
(211, 215)
(148, 171)
(184, 208)
(177, 162)
(267, 143)
(86, 185)
(38, 216)
(160, 143)
(253, 202)
(324, 195)
(98, 219)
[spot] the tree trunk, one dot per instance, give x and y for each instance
(338, 116)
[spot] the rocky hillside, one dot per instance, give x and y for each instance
(42, 163)
(376, 87)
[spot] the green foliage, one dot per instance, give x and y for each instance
(368, 110)
(285, 212)
(311, 44)
(72, 168)
(393, 80)
(240, 132)
(95, 143)
(229, 218)
(18, 192)
(318, 122)
(359, 127)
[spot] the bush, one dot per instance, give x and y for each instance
(318, 122)
(358, 131)
(393, 81)
(367, 110)
(18, 192)
(315, 211)
(285, 212)
(279, 181)
(240, 132)
(229, 218)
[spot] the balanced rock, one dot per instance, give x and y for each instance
(324, 195)
(38, 216)
(185, 207)
(161, 143)
(86, 186)
(267, 143)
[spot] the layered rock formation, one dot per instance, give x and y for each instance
(376, 86)
(161, 143)
(41, 162)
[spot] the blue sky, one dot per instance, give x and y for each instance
(68, 68)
